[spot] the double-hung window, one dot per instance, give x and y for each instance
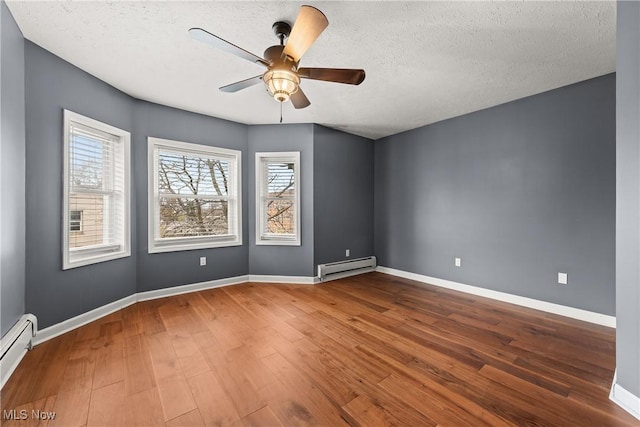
(96, 192)
(194, 196)
(278, 198)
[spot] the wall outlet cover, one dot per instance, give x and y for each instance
(203, 261)
(563, 278)
(458, 262)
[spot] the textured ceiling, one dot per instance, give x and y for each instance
(425, 61)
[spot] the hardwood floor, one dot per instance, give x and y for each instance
(369, 350)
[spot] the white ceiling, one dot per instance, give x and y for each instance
(425, 61)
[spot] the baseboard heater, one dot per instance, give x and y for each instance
(15, 344)
(337, 270)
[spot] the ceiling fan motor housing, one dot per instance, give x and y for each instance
(273, 54)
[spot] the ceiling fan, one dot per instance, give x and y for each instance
(282, 77)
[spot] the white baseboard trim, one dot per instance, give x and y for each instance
(300, 280)
(624, 398)
(82, 319)
(575, 313)
(194, 287)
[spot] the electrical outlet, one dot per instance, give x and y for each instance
(458, 262)
(347, 253)
(203, 261)
(563, 278)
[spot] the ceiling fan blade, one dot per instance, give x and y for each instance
(339, 75)
(215, 41)
(242, 84)
(299, 99)
(309, 24)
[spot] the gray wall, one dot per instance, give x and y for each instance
(628, 198)
(52, 85)
(161, 270)
(283, 260)
(12, 171)
(55, 295)
(520, 192)
(343, 195)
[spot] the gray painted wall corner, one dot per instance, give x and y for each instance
(628, 198)
(283, 260)
(162, 270)
(12, 171)
(520, 192)
(52, 85)
(343, 195)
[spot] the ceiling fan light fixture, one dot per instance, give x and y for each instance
(282, 78)
(281, 84)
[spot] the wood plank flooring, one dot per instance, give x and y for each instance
(371, 350)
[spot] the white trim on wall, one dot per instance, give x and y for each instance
(157, 244)
(575, 313)
(261, 167)
(194, 287)
(119, 177)
(300, 280)
(88, 317)
(624, 398)
(82, 319)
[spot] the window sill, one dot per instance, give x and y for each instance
(80, 259)
(160, 247)
(278, 242)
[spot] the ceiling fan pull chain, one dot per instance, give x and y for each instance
(281, 112)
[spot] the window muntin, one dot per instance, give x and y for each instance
(194, 196)
(277, 198)
(96, 191)
(75, 221)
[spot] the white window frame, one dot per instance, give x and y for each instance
(77, 257)
(156, 244)
(263, 158)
